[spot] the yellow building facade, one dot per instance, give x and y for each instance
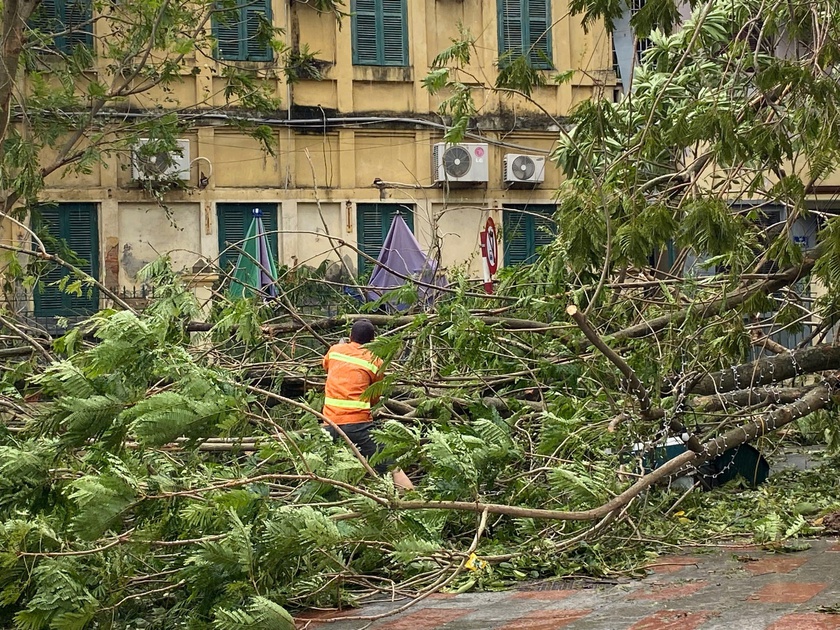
(354, 146)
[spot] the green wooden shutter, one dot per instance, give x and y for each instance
(524, 27)
(49, 301)
(544, 230)
(256, 48)
(394, 33)
(46, 17)
(538, 41)
(234, 220)
(58, 16)
(373, 220)
(78, 18)
(365, 33)
(370, 239)
(77, 225)
(227, 29)
(510, 27)
(515, 238)
(523, 233)
(83, 237)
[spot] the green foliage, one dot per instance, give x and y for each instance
(709, 226)
(261, 614)
(517, 73)
(302, 64)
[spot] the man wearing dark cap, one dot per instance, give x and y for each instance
(351, 369)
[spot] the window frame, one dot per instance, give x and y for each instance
(525, 19)
(381, 54)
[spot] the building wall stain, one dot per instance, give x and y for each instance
(130, 264)
(112, 263)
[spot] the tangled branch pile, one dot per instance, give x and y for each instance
(184, 480)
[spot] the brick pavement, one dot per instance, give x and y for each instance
(743, 589)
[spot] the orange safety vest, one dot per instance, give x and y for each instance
(351, 369)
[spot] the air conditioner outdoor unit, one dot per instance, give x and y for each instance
(162, 165)
(524, 169)
(464, 163)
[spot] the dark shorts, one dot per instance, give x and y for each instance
(359, 434)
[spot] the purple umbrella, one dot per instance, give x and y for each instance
(401, 254)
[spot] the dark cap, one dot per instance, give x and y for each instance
(363, 331)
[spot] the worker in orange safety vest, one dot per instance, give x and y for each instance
(351, 369)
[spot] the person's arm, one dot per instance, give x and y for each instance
(375, 378)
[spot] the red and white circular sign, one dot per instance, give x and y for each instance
(490, 245)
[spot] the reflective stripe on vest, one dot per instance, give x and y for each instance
(354, 360)
(347, 404)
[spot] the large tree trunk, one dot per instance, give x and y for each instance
(15, 15)
(770, 370)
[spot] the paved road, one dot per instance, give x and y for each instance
(732, 589)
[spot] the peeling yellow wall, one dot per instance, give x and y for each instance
(317, 160)
(313, 245)
(147, 233)
(391, 157)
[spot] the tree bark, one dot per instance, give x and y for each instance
(769, 370)
(15, 15)
(747, 398)
(817, 398)
(331, 323)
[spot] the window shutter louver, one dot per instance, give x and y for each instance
(515, 238)
(72, 19)
(369, 222)
(231, 233)
(539, 37)
(524, 28)
(83, 238)
(227, 29)
(257, 49)
(394, 33)
(525, 233)
(78, 20)
(49, 300)
(77, 225)
(544, 230)
(45, 19)
(510, 27)
(365, 40)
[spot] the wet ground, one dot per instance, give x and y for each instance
(732, 588)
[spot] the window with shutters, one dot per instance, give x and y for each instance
(70, 22)
(380, 33)
(525, 29)
(244, 33)
(526, 228)
(373, 221)
(77, 225)
(234, 220)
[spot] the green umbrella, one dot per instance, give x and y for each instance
(255, 272)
